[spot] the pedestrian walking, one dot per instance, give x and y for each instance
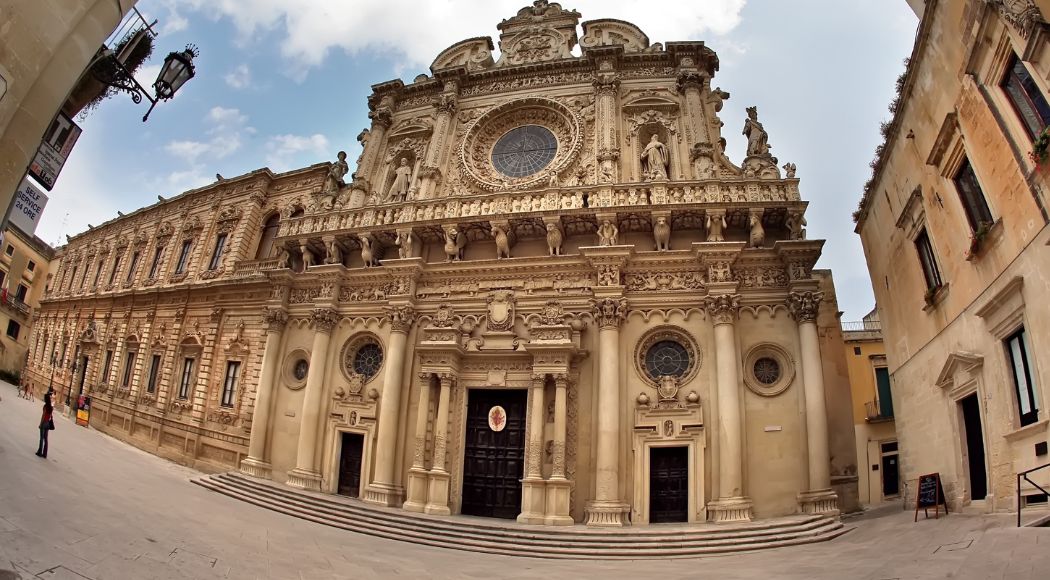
(47, 423)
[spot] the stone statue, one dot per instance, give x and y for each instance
(756, 136)
(655, 161)
(404, 244)
(502, 242)
(796, 224)
(402, 181)
(282, 257)
(662, 234)
(789, 170)
(308, 257)
(554, 239)
(715, 225)
(334, 180)
(367, 256)
(758, 233)
(455, 241)
(334, 254)
(607, 233)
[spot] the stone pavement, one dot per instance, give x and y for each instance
(97, 508)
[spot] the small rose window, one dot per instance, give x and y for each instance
(666, 358)
(367, 360)
(767, 370)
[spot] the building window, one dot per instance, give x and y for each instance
(3, 277)
(154, 367)
(216, 255)
(269, 232)
(928, 261)
(666, 358)
(184, 257)
(230, 384)
(972, 196)
(9, 250)
(105, 366)
(72, 278)
(1027, 402)
(187, 374)
(131, 268)
(13, 328)
(31, 266)
(885, 396)
(113, 272)
(156, 262)
(98, 274)
(129, 366)
(1026, 97)
(22, 292)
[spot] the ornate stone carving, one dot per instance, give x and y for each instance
(367, 255)
(722, 309)
(608, 275)
(804, 306)
(324, 319)
(662, 234)
(716, 223)
(455, 241)
(609, 312)
(1021, 14)
(608, 233)
(401, 318)
(656, 163)
(758, 234)
(761, 277)
(444, 317)
(502, 241)
(501, 304)
(796, 225)
(404, 241)
(757, 138)
(643, 281)
(275, 318)
(552, 313)
(554, 239)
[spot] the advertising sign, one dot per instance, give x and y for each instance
(54, 149)
(27, 206)
(83, 410)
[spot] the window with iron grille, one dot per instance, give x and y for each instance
(187, 375)
(229, 385)
(184, 257)
(154, 370)
(928, 261)
(972, 196)
(216, 255)
(129, 366)
(1027, 401)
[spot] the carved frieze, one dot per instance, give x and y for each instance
(647, 281)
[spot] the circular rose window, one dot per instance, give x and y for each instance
(666, 358)
(362, 357)
(667, 351)
(368, 359)
(524, 151)
(768, 370)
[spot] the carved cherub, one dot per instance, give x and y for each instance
(607, 233)
(758, 233)
(502, 242)
(455, 241)
(554, 239)
(715, 225)
(404, 244)
(367, 256)
(662, 234)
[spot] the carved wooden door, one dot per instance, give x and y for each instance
(668, 484)
(493, 462)
(350, 464)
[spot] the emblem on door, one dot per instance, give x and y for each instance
(497, 418)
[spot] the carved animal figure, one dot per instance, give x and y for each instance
(662, 234)
(455, 241)
(308, 257)
(367, 256)
(554, 239)
(502, 242)
(758, 233)
(404, 244)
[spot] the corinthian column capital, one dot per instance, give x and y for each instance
(401, 318)
(803, 306)
(275, 318)
(723, 308)
(324, 319)
(609, 312)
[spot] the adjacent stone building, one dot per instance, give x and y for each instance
(25, 261)
(954, 228)
(545, 293)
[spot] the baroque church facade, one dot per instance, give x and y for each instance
(545, 293)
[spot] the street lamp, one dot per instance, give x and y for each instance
(177, 69)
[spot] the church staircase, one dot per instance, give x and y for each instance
(513, 539)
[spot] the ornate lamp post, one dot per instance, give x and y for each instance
(177, 69)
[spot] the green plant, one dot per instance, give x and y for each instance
(977, 239)
(1041, 147)
(105, 68)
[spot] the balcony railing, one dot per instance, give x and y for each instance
(862, 326)
(877, 412)
(249, 268)
(15, 305)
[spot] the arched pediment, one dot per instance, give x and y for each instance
(612, 32)
(650, 99)
(412, 128)
(472, 53)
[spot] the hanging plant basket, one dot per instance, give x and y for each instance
(1040, 152)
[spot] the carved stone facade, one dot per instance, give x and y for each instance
(515, 228)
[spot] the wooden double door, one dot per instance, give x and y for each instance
(668, 484)
(350, 455)
(494, 459)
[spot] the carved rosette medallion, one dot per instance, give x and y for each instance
(609, 312)
(275, 318)
(482, 135)
(324, 319)
(552, 313)
(803, 306)
(401, 318)
(723, 309)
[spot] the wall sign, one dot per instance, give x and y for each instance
(54, 150)
(27, 206)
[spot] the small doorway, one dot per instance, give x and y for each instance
(890, 470)
(493, 461)
(974, 438)
(350, 464)
(668, 484)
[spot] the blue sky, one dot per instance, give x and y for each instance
(283, 84)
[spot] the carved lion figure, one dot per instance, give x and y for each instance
(367, 255)
(455, 241)
(502, 242)
(554, 239)
(662, 234)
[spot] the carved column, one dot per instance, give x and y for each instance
(437, 497)
(557, 485)
(606, 113)
(444, 117)
(382, 117)
(306, 475)
(532, 488)
(383, 490)
(819, 498)
(732, 504)
(256, 463)
(607, 509)
(689, 85)
(417, 474)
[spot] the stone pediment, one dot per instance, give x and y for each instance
(472, 54)
(416, 127)
(612, 32)
(650, 99)
(959, 368)
(539, 33)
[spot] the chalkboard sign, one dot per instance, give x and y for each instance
(930, 495)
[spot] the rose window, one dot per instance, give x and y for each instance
(666, 358)
(524, 151)
(767, 370)
(367, 360)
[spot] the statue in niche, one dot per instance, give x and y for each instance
(607, 233)
(402, 181)
(334, 180)
(308, 257)
(655, 161)
(757, 138)
(796, 224)
(662, 234)
(554, 239)
(758, 233)
(502, 242)
(404, 244)
(367, 256)
(715, 225)
(455, 241)
(333, 255)
(282, 257)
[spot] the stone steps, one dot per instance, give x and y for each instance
(573, 542)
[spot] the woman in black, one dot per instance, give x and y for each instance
(45, 426)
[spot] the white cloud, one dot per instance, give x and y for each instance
(240, 77)
(226, 137)
(418, 31)
(228, 117)
(284, 150)
(146, 75)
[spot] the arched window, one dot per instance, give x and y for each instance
(269, 232)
